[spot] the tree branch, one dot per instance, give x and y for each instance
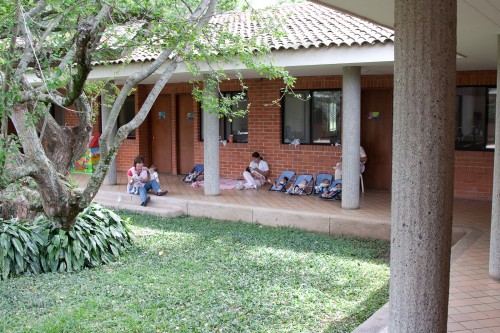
(7, 76)
(150, 69)
(83, 46)
(204, 11)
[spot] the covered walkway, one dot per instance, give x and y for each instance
(474, 303)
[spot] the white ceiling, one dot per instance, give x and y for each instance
(478, 24)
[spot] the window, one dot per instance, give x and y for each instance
(127, 113)
(475, 118)
(238, 127)
(313, 121)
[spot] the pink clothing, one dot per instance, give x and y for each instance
(143, 174)
(254, 179)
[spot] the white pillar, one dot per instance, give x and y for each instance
(106, 103)
(423, 162)
(495, 200)
(351, 128)
(211, 139)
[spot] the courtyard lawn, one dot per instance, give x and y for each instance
(202, 275)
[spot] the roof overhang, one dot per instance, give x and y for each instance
(478, 24)
(374, 59)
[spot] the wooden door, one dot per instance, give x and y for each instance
(376, 137)
(161, 129)
(185, 133)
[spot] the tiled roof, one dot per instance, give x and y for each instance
(312, 25)
(306, 25)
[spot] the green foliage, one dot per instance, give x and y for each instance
(53, 45)
(98, 237)
(220, 48)
(7, 146)
(21, 245)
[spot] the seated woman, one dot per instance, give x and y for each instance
(139, 173)
(256, 172)
(362, 160)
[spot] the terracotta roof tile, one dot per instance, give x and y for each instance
(306, 25)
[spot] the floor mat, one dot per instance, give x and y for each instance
(225, 184)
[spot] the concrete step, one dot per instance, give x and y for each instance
(156, 206)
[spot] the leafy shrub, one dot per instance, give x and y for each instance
(21, 246)
(98, 237)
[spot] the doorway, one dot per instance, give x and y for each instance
(376, 137)
(185, 133)
(161, 128)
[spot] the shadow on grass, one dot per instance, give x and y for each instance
(287, 242)
(256, 235)
(376, 300)
(201, 275)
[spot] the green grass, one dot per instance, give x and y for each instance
(201, 275)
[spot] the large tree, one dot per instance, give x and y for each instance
(49, 48)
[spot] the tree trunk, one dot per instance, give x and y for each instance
(60, 203)
(65, 145)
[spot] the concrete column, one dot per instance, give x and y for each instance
(423, 161)
(351, 125)
(495, 200)
(106, 104)
(211, 139)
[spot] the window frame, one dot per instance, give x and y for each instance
(310, 101)
(223, 122)
(485, 121)
(132, 135)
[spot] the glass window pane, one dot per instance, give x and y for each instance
(296, 118)
(470, 118)
(326, 116)
(127, 113)
(238, 127)
(492, 100)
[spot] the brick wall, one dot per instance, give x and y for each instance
(141, 144)
(473, 174)
(264, 123)
(473, 170)
(71, 119)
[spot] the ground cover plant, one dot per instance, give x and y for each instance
(200, 275)
(98, 237)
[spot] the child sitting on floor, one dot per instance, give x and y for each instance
(153, 174)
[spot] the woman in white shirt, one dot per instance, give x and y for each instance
(256, 173)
